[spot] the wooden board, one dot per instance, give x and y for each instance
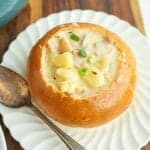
(125, 9)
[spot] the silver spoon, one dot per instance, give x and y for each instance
(14, 93)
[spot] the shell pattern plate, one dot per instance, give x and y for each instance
(2, 140)
(127, 132)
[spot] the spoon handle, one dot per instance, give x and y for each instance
(69, 141)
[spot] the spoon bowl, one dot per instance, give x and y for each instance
(13, 89)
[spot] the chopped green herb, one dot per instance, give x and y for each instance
(83, 71)
(82, 53)
(74, 37)
(91, 59)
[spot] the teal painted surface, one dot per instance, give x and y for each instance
(9, 9)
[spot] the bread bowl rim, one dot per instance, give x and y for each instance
(91, 111)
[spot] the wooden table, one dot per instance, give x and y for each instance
(125, 9)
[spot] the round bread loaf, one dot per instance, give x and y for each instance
(81, 74)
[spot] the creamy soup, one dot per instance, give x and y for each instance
(79, 62)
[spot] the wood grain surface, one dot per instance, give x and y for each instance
(124, 9)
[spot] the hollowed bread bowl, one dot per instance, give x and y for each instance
(81, 74)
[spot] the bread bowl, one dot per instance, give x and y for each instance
(81, 74)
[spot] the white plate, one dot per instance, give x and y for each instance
(2, 140)
(127, 132)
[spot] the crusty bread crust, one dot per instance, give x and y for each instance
(90, 112)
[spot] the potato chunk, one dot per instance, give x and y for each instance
(67, 79)
(94, 78)
(63, 74)
(64, 60)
